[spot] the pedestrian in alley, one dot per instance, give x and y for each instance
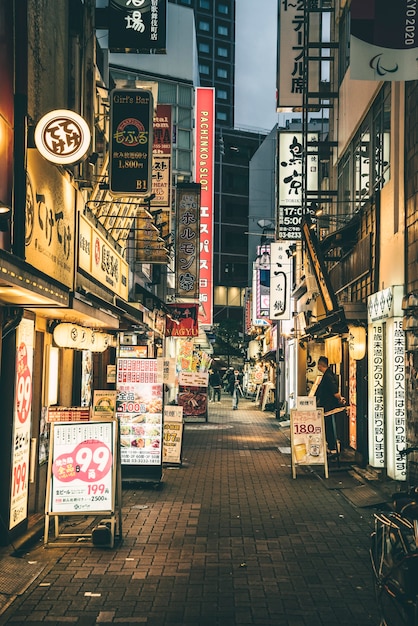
(328, 397)
(215, 382)
(236, 385)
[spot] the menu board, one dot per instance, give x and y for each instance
(308, 438)
(173, 434)
(193, 394)
(139, 407)
(82, 467)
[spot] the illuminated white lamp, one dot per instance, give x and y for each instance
(67, 336)
(99, 341)
(357, 342)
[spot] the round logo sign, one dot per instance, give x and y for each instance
(62, 137)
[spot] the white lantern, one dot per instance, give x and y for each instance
(67, 336)
(99, 341)
(80, 338)
(357, 342)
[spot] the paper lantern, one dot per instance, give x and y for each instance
(80, 338)
(99, 341)
(69, 336)
(357, 342)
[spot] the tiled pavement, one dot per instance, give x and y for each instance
(227, 539)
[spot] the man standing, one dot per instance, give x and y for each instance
(236, 383)
(328, 397)
(215, 382)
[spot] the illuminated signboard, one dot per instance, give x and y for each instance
(205, 126)
(131, 137)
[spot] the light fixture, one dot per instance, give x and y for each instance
(5, 209)
(77, 337)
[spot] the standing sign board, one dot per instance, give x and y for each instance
(173, 434)
(83, 472)
(307, 437)
(139, 407)
(193, 394)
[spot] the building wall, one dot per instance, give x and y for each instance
(392, 215)
(355, 98)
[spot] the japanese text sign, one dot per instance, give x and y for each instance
(137, 26)
(131, 139)
(187, 243)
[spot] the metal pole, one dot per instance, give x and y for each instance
(278, 386)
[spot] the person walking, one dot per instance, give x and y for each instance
(215, 382)
(329, 398)
(236, 385)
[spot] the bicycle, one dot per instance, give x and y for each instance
(394, 556)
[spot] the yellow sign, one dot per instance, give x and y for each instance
(50, 224)
(101, 260)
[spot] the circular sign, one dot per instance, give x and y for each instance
(62, 137)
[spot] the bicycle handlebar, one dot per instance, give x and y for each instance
(407, 451)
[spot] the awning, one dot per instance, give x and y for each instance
(23, 285)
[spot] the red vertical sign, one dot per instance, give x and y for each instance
(204, 174)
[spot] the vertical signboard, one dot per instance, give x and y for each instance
(386, 366)
(280, 281)
(22, 422)
(204, 174)
(130, 167)
(139, 407)
(384, 40)
(150, 247)
(161, 158)
(291, 155)
(290, 53)
(396, 426)
(187, 245)
(137, 26)
(50, 219)
(262, 282)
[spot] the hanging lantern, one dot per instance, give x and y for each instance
(68, 336)
(99, 341)
(357, 342)
(80, 338)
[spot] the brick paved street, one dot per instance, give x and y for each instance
(228, 539)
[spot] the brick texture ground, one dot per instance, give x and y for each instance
(228, 539)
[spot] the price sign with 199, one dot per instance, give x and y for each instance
(82, 467)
